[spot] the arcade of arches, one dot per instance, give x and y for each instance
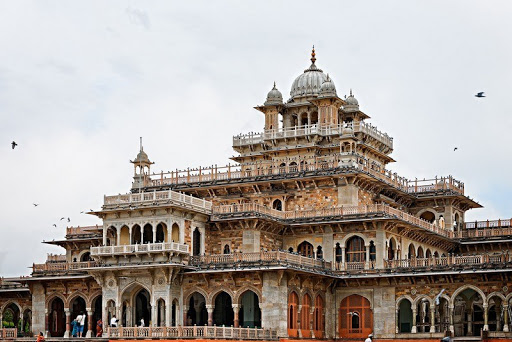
(306, 315)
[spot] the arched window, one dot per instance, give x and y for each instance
(305, 249)
(318, 324)
(226, 249)
(197, 242)
(319, 253)
(305, 313)
(373, 251)
(428, 216)
(355, 250)
(277, 205)
(420, 254)
(175, 233)
(147, 235)
(161, 232)
(391, 249)
(293, 304)
(412, 252)
(338, 252)
(86, 257)
(355, 317)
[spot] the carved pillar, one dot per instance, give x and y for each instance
(343, 257)
(46, 323)
(89, 322)
(505, 318)
(432, 318)
(450, 311)
(367, 249)
(486, 317)
(414, 329)
(470, 320)
(236, 309)
(131, 236)
(68, 323)
(209, 308)
(118, 234)
(397, 324)
(299, 327)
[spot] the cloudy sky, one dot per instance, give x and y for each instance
(81, 81)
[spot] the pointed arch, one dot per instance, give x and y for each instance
(465, 287)
(215, 293)
(74, 295)
(240, 293)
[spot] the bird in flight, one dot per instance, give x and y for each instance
(81, 212)
(55, 225)
(35, 204)
(14, 144)
(480, 94)
(455, 149)
(62, 218)
(69, 220)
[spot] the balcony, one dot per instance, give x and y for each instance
(194, 332)
(226, 212)
(62, 267)
(294, 167)
(8, 333)
(83, 232)
(160, 197)
(161, 247)
(259, 259)
(307, 130)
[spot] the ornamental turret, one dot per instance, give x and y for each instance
(141, 168)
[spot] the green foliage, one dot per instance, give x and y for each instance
(27, 327)
(8, 316)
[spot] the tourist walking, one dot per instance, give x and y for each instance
(81, 322)
(74, 325)
(99, 328)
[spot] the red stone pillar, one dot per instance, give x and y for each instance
(68, 322)
(89, 323)
(46, 322)
(185, 318)
(236, 309)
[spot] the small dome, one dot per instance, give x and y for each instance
(142, 157)
(351, 100)
(328, 89)
(310, 82)
(274, 97)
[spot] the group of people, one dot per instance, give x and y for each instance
(114, 321)
(78, 326)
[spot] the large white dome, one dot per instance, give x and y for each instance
(310, 82)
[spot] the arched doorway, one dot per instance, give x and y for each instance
(161, 233)
(147, 234)
(174, 313)
(404, 316)
(96, 314)
(175, 233)
(355, 251)
(56, 318)
(318, 319)
(495, 313)
(10, 316)
(27, 322)
(111, 236)
(277, 205)
(197, 242)
(423, 316)
(306, 249)
(428, 216)
(226, 249)
(197, 313)
(160, 321)
(293, 316)
(136, 235)
(305, 316)
(77, 307)
(142, 308)
(86, 257)
(412, 251)
(124, 237)
(468, 313)
(355, 317)
(223, 312)
(420, 254)
(111, 311)
(250, 312)
(442, 315)
(391, 249)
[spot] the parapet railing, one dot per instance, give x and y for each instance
(160, 196)
(341, 161)
(489, 224)
(82, 230)
(300, 131)
(337, 212)
(267, 257)
(8, 333)
(481, 259)
(55, 257)
(63, 266)
(158, 247)
(199, 332)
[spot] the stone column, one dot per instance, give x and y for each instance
(433, 318)
(46, 323)
(131, 236)
(185, 312)
(505, 318)
(68, 323)
(154, 234)
(497, 309)
(209, 308)
(154, 315)
(343, 257)
(299, 326)
(118, 234)
(89, 323)
(486, 317)
(414, 329)
(367, 263)
(397, 323)
(380, 249)
(236, 309)
(470, 321)
(450, 312)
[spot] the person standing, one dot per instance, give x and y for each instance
(40, 337)
(99, 328)
(81, 321)
(369, 338)
(113, 322)
(142, 322)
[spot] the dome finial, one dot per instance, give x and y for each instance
(274, 85)
(313, 58)
(141, 148)
(351, 92)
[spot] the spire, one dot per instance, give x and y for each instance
(274, 85)
(141, 148)
(313, 58)
(351, 92)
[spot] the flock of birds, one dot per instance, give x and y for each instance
(14, 144)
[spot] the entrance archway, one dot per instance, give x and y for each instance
(355, 317)
(56, 318)
(250, 312)
(293, 316)
(223, 312)
(468, 313)
(142, 308)
(96, 314)
(77, 307)
(197, 313)
(404, 316)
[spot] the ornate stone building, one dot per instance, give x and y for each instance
(306, 235)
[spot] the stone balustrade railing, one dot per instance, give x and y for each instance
(274, 258)
(449, 260)
(146, 248)
(306, 130)
(342, 161)
(8, 333)
(88, 230)
(500, 223)
(219, 211)
(167, 196)
(197, 332)
(62, 266)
